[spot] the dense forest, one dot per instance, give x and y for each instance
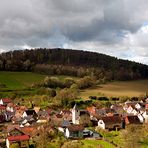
(72, 62)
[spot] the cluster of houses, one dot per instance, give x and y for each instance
(21, 124)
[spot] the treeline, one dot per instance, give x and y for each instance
(72, 62)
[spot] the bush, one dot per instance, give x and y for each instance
(85, 82)
(14, 145)
(93, 97)
(46, 91)
(68, 82)
(103, 99)
(53, 82)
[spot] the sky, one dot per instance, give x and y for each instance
(114, 27)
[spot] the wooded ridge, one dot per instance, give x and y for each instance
(72, 62)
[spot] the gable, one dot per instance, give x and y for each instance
(101, 122)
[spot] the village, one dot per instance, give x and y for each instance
(21, 125)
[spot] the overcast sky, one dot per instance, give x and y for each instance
(114, 27)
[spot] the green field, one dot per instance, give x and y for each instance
(118, 89)
(96, 143)
(22, 80)
(19, 83)
(19, 80)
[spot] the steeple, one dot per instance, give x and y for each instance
(75, 107)
(75, 114)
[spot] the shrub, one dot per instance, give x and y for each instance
(85, 82)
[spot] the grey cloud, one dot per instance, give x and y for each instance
(47, 23)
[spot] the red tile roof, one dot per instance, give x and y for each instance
(132, 120)
(2, 107)
(31, 131)
(111, 119)
(18, 138)
(75, 128)
(6, 100)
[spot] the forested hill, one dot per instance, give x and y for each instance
(72, 62)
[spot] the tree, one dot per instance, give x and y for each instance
(14, 145)
(65, 96)
(46, 91)
(85, 120)
(27, 65)
(131, 136)
(85, 82)
(53, 82)
(68, 82)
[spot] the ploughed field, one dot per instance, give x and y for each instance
(118, 89)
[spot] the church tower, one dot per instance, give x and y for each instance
(75, 115)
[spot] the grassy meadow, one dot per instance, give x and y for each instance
(19, 80)
(19, 83)
(118, 89)
(12, 83)
(96, 143)
(22, 80)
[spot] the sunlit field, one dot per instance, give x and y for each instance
(117, 89)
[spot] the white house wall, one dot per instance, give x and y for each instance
(101, 124)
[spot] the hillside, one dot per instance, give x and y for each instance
(72, 62)
(19, 80)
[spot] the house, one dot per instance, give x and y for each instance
(141, 118)
(146, 106)
(17, 120)
(63, 125)
(9, 115)
(2, 108)
(16, 136)
(56, 119)
(42, 120)
(28, 120)
(74, 131)
(91, 134)
(67, 114)
(43, 114)
(19, 112)
(29, 113)
(105, 112)
(5, 101)
(145, 116)
(31, 131)
(2, 118)
(10, 107)
(37, 109)
(118, 108)
(130, 109)
(138, 106)
(111, 122)
(135, 112)
(132, 120)
(92, 111)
